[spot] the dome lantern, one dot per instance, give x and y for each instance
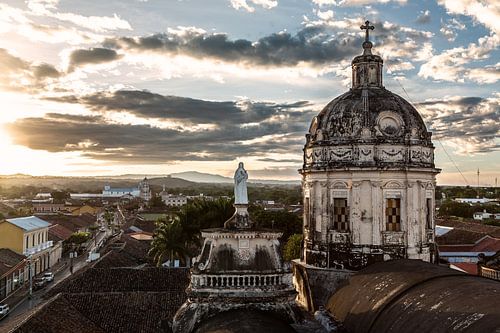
(367, 68)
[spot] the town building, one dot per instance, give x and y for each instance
(142, 191)
(173, 200)
(13, 272)
(475, 200)
(48, 207)
(117, 192)
(484, 215)
(85, 209)
(368, 176)
(28, 236)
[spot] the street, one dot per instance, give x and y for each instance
(59, 276)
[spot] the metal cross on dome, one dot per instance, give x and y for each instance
(367, 27)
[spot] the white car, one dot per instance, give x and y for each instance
(48, 276)
(4, 310)
(102, 229)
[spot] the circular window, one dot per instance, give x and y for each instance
(389, 123)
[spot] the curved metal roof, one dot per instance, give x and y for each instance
(415, 296)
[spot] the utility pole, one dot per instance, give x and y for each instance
(31, 275)
(478, 183)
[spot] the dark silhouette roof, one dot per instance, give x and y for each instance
(244, 321)
(8, 260)
(415, 296)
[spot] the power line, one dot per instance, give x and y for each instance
(437, 138)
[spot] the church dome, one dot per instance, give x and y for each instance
(387, 118)
(368, 125)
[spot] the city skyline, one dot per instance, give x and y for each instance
(159, 87)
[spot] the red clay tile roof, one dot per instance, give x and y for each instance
(59, 232)
(468, 267)
(56, 315)
(100, 280)
(71, 222)
(487, 244)
(8, 260)
(472, 226)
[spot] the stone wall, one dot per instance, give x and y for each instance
(315, 285)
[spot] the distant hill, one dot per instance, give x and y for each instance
(200, 177)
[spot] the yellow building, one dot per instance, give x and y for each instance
(28, 236)
(85, 209)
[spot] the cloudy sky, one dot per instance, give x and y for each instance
(160, 86)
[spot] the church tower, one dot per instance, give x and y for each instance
(368, 176)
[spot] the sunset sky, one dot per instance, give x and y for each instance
(160, 86)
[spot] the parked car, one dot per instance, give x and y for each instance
(39, 283)
(102, 229)
(4, 310)
(48, 276)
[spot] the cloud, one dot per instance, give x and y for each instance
(145, 104)
(312, 45)
(354, 3)
(48, 8)
(20, 21)
(243, 4)
(95, 55)
(238, 128)
(21, 75)
(456, 65)
(486, 12)
(450, 27)
(424, 17)
(470, 124)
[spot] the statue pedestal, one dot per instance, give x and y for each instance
(240, 219)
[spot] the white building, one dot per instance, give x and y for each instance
(475, 200)
(368, 176)
(173, 200)
(479, 216)
(142, 191)
(117, 192)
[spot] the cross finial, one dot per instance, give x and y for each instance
(367, 27)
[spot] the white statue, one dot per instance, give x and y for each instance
(240, 186)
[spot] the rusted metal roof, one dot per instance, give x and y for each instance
(415, 296)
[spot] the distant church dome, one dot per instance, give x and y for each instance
(368, 114)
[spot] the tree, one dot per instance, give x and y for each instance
(180, 235)
(293, 247)
(287, 222)
(60, 196)
(78, 238)
(168, 241)
(156, 202)
(109, 217)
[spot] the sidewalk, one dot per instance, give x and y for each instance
(17, 297)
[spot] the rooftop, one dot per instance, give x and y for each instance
(8, 260)
(29, 223)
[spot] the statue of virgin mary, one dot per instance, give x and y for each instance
(240, 186)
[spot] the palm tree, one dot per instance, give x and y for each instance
(168, 241)
(181, 235)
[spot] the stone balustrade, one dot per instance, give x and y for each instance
(489, 273)
(39, 248)
(239, 281)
